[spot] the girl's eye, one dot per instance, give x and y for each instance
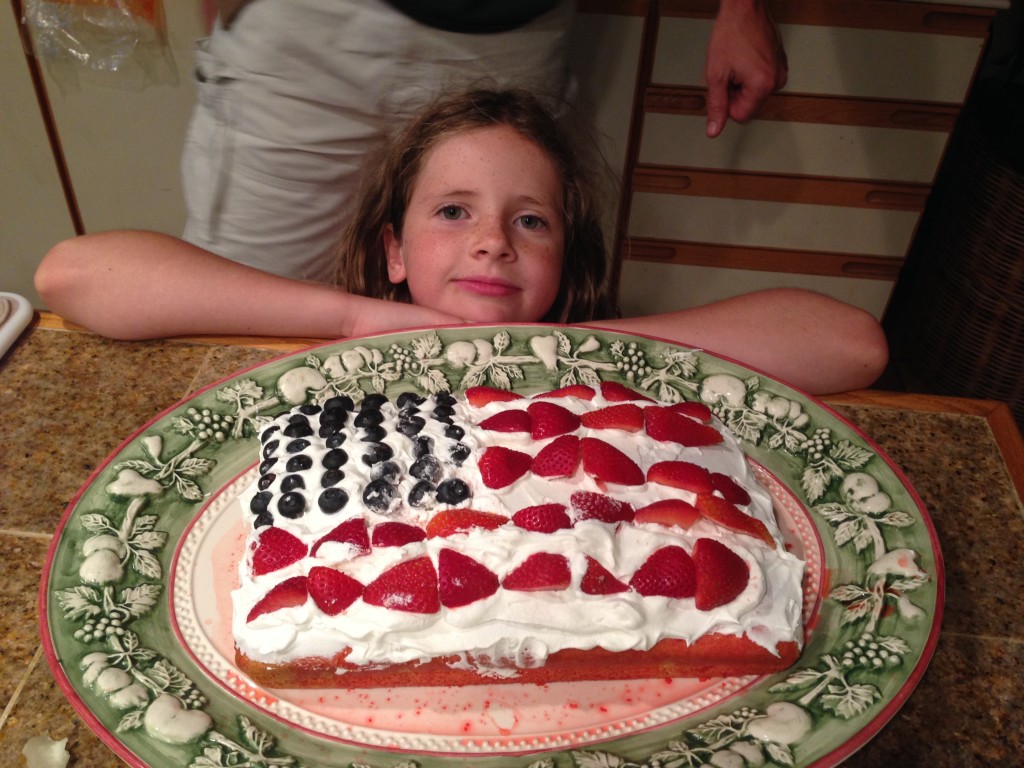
(530, 221)
(451, 212)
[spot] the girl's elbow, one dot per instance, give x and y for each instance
(54, 278)
(870, 352)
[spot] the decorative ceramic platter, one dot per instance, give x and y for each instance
(135, 598)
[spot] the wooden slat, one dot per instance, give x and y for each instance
(929, 18)
(763, 259)
(809, 108)
(614, 7)
(774, 187)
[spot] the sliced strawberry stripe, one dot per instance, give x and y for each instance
(628, 417)
(692, 409)
(500, 466)
(352, 532)
(616, 392)
(394, 534)
(725, 514)
(581, 391)
(598, 580)
(684, 475)
(550, 419)
(275, 549)
(668, 512)
(512, 420)
(481, 396)
(559, 458)
(730, 489)
(287, 594)
(542, 518)
(667, 426)
(449, 522)
(721, 574)
(539, 571)
(332, 590)
(410, 586)
(588, 505)
(462, 580)
(606, 463)
(668, 572)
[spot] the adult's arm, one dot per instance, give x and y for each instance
(144, 285)
(806, 339)
(746, 61)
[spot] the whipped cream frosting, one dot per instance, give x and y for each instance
(510, 628)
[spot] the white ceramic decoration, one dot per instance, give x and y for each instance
(135, 608)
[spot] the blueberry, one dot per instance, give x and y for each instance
(426, 468)
(442, 412)
(331, 477)
(340, 402)
(377, 452)
(453, 491)
(373, 401)
(422, 445)
(454, 432)
(297, 446)
(266, 481)
(265, 435)
(411, 425)
(270, 447)
(409, 400)
(333, 419)
(422, 494)
(291, 482)
(291, 505)
(332, 500)
(370, 417)
(334, 441)
(334, 459)
(373, 434)
(298, 426)
(386, 470)
(260, 502)
(459, 452)
(328, 430)
(266, 466)
(299, 463)
(263, 519)
(444, 398)
(379, 494)
(310, 409)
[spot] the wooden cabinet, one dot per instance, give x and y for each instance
(825, 188)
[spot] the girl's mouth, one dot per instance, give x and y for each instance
(487, 286)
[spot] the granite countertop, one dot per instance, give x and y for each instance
(963, 458)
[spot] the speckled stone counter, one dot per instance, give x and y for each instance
(69, 398)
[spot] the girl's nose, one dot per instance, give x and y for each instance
(493, 240)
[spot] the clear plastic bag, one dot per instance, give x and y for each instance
(105, 36)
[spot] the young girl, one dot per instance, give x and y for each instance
(480, 211)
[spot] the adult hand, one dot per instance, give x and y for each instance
(745, 63)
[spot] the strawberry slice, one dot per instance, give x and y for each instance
(276, 549)
(606, 463)
(551, 419)
(581, 391)
(481, 396)
(539, 571)
(614, 392)
(629, 417)
(392, 534)
(721, 574)
(730, 489)
(462, 580)
(668, 572)
(588, 505)
(331, 590)
(409, 586)
(668, 512)
(694, 410)
(542, 518)
(666, 425)
(352, 531)
(720, 511)
(559, 458)
(287, 594)
(512, 420)
(449, 522)
(500, 466)
(598, 580)
(684, 475)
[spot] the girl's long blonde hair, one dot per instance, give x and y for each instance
(584, 294)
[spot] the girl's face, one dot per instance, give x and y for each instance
(483, 235)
